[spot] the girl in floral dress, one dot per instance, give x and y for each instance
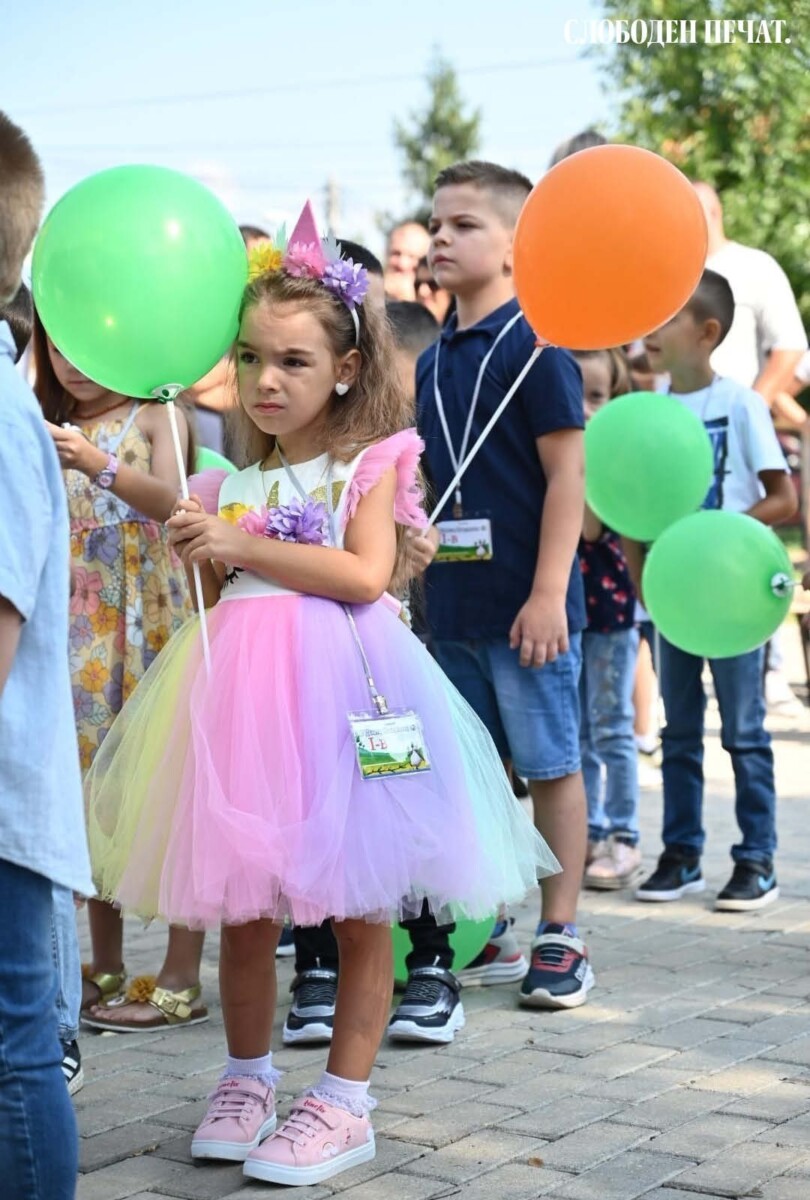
(129, 596)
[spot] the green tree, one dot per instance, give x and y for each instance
(736, 115)
(436, 136)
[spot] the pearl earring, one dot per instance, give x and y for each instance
(341, 388)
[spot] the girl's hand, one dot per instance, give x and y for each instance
(193, 505)
(75, 452)
(420, 548)
(198, 536)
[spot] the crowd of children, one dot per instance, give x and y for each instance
(331, 768)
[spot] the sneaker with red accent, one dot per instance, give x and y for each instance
(501, 960)
(560, 975)
(318, 1140)
(242, 1112)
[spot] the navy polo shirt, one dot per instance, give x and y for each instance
(505, 482)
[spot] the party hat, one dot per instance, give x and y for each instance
(305, 242)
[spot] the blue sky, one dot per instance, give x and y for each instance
(264, 102)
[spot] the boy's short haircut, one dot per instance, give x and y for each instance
(508, 189)
(415, 328)
(19, 315)
(580, 141)
(22, 190)
(713, 299)
(361, 256)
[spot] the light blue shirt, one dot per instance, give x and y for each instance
(41, 809)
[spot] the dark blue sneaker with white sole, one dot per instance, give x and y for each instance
(430, 1010)
(752, 886)
(677, 875)
(560, 975)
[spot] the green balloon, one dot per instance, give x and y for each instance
(209, 459)
(467, 940)
(715, 584)
(138, 273)
(648, 462)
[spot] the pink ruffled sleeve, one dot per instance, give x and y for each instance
(207, 485)
(402, 451)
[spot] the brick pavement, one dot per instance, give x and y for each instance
(686, 1076)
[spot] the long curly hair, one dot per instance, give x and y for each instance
(376, 405)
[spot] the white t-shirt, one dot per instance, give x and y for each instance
(802, 369)
(766, 316)
(743, 441)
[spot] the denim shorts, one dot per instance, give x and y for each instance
(532, 713)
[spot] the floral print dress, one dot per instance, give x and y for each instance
(130, 591)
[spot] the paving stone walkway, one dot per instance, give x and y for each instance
(687, 1074)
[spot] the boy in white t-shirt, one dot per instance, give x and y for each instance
(751, 476)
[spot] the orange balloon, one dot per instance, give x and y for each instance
(610, 244)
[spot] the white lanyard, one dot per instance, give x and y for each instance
(377, 697)
(465, 441)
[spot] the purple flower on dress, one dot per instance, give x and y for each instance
(347, 280)
(103, 545)
(81, 633)
(82, 704)
(298, 521)
(113, 690)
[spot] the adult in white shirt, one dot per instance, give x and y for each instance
(767, 338)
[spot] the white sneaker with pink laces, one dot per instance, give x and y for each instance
(242, 1112)
(318, 1140)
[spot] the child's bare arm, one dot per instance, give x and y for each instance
(592, 527)
(779, 502)
(634, 552)
(358, 574)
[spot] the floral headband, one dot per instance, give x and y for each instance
(306, 255)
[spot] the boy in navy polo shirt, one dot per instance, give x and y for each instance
(504, 595)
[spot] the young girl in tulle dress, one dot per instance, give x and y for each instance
(324, 766)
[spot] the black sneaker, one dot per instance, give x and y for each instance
(72, 1067)
(560, 975)
(430, 1010)
(675, 876)
(751, 886)
(312, 1012)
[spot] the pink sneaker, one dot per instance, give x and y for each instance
(242, 1112)
(316, 1142)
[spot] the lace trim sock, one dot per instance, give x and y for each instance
(253, 1068)
(347, 1094)
(553, 927)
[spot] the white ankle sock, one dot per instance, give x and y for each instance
(348, 1094)
(253, 1068)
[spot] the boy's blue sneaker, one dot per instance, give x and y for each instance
(751, 886)
(560, 975)
(676, 875)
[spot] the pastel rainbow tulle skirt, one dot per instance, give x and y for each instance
(235, 796)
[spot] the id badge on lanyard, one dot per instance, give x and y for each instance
(387, 741)
(466, 540)
(465, 537)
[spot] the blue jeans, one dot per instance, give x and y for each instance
(38, 1141)
(531, 713)
(606, 733)
(67, 960)
(738, 685)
